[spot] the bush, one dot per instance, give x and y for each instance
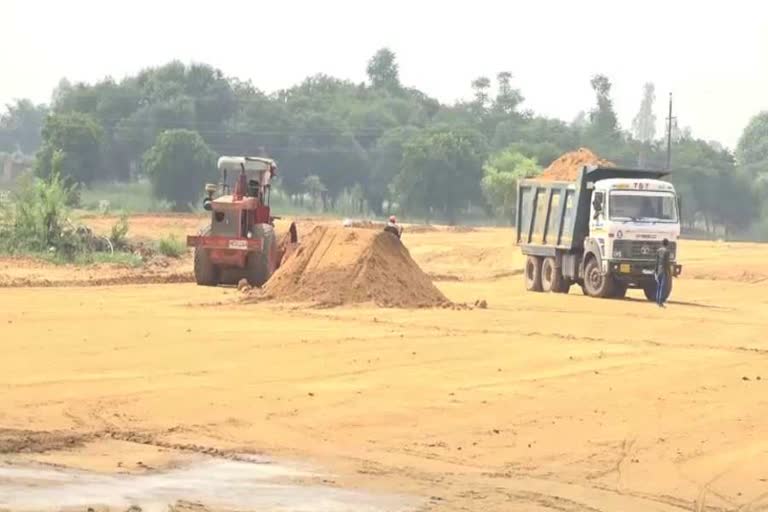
(36, 219)
(118, 234)
(172, 247)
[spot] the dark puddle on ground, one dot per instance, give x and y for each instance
(214, 483)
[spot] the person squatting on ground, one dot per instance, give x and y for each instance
(663, 272)
(393, 227)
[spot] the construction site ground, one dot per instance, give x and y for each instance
(539, 402)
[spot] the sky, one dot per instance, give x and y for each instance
(712, 55)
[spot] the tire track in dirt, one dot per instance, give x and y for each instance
(177, 278)
(17, 441)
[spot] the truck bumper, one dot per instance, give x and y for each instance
(638, 270)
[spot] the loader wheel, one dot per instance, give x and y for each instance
(650, 290)
(262, 264)
(551, 278)
(533, 274)
(206, 273)
(595, 283)
(257, 269)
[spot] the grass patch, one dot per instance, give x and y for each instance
(133, 197)
(123, 259)
(172, 247)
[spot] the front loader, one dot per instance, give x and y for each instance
(240, 241)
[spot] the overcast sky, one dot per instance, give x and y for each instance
(713, 55)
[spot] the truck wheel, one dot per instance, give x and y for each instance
(551, 278)
(206, 273)
(533, 274)
(597, 284)
(619, 291)
(650, 290)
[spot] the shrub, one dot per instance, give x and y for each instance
(172, 247)
(119, 233)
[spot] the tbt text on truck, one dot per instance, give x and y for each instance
(601, 231)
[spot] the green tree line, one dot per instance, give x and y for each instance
(387, 146)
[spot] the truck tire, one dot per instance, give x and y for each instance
(595, 282)
(533, 274)
(206, 273)
(619, 290)
(650, 290)
(551, 278)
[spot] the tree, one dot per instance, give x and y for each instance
(178, 165)
(480, 86)
(441, 171)
(644, 123)
(501, 174)
(78, 137)
(383, 71)
(22, 123)
(507, 98)
(602, 117)
(752, 149)
(313, 186)
(386, 159)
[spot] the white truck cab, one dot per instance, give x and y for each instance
(630, 218)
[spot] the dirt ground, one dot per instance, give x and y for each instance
(540, 402)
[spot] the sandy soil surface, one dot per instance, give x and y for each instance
(540, 402)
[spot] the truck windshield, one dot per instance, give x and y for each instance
(643, 207)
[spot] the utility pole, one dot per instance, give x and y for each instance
(669, 133)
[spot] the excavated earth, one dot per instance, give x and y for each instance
(568, 166)
(335, 266)
(178, 397)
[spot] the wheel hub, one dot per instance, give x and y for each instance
(595, 279)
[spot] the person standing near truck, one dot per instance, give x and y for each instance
(663, 272)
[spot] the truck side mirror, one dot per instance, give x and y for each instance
(597, 203)
(679, 209)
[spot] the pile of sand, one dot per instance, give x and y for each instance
(569, 165)
(336, 266)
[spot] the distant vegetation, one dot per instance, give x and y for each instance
(364, 148)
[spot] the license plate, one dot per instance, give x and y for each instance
(625, 268)
(238, 244)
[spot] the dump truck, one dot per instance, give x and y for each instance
(240, 241)
(601, 231)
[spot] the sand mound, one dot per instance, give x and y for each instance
(335, 266)
(568, 166)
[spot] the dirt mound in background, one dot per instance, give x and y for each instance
(335, 266)
(568, 166)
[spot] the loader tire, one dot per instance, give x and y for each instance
(533, 274)
(262, 264)
(257, 269)
(206, 273)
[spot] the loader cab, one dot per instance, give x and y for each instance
(243, 197)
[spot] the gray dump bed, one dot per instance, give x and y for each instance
(554, 215)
